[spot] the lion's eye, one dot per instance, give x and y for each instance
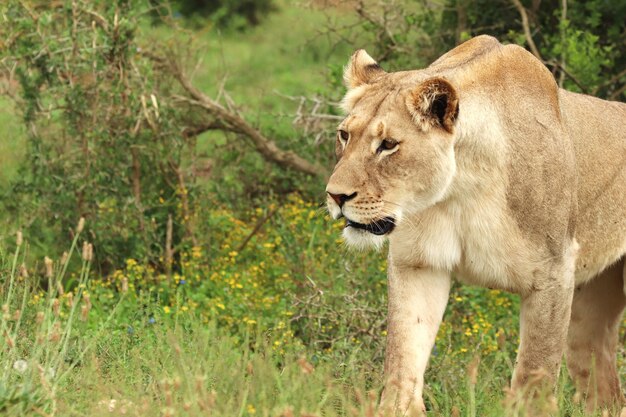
(344, 135)
(387, 145)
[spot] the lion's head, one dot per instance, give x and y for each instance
(395, 148)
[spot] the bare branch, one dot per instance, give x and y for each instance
(526, 27)
(169, 253)
(615, 95)
(191, 131)
(184, 200)
(610, 81)
(568, 74)
(98, 19)
(310, 117)
(235, 123)
(266, 147)
(259, 224)
(563, 18)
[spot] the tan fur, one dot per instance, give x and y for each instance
(503, 180)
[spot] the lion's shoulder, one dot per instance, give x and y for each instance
(484, 63)
(467, 53)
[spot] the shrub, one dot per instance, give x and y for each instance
(102, 144)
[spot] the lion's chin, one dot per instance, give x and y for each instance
(363, 240)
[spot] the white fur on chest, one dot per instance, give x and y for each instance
(427, 240)
(490, 247)
(474, 241)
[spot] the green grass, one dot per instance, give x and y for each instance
(188, 368)
(108, 350)
(12, 141)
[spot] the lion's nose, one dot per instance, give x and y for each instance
(340, 199)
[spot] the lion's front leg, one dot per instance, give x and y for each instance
(545, 314)
(417, 300)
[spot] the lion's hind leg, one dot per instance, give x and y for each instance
(593, 337)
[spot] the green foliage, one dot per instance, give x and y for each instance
(101, 142)
(582, 44)
(226, 13)
(106, 135)
(585, 58)
(278, 271)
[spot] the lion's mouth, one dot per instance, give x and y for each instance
(379, 227)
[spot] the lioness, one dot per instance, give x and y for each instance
(482, 167)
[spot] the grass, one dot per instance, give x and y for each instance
(115, 352)
(13, 142)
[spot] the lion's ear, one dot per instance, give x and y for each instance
(434, 103)
(361, 69)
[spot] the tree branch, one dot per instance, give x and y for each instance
(259, 224)
(610, 81)
(191, 131)
(266, 147)
(526, 27)
(233, 122)
(562, 24)
(558, 65)
(615, 95)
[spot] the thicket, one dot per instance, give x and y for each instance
(111, 125)
(101, 144)
(104, 347)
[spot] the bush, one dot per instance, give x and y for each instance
(102, 142)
